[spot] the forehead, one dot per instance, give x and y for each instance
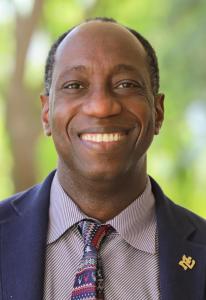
(104, 43)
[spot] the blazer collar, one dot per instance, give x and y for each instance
(177, 237)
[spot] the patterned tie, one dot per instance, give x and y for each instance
(88, 284)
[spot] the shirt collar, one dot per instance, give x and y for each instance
(63, 212)
(136, 224)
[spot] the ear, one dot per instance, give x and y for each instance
(45, 114)
(159, 112)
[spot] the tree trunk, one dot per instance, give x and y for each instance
(22, 124)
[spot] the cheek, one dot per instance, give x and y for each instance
(59, 119)
(145, 118)
(143, 113)
(63, 118)
(59, 113)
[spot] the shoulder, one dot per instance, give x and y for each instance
(176, 217)
(182, 214)
(19, 203)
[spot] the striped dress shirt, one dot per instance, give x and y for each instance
(129, 255)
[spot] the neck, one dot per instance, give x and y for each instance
(103, 199)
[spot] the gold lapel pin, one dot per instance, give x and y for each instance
(187, 262)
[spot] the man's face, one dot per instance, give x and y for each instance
(101, 112)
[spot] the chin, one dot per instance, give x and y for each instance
(104, 174)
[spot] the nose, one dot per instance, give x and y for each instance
(101, 104)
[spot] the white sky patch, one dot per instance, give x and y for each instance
(9, 8)
(38, 49)
(196, 118)
(7, 11)
(87, 3)
(23, 7)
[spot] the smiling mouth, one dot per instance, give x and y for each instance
(103, 137)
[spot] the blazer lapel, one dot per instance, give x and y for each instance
(185, 281)
(23, 242)
(181, 277)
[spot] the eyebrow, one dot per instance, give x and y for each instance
(70, 69)
(124, 67)
(77, 68)
(118, 68)
(129, 68)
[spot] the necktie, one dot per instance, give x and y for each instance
(88, 282)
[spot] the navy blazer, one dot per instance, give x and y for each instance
(23, 232)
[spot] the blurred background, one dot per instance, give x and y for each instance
(175, 28)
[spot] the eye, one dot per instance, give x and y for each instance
(126, 84)
(74, 85)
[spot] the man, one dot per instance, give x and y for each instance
(102, 108)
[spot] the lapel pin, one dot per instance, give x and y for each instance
(187, 262)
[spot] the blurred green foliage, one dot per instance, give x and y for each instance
(176, 29)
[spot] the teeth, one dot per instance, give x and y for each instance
(102, 137)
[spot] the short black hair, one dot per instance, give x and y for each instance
(151, 55)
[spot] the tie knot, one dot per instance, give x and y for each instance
(93, 233)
